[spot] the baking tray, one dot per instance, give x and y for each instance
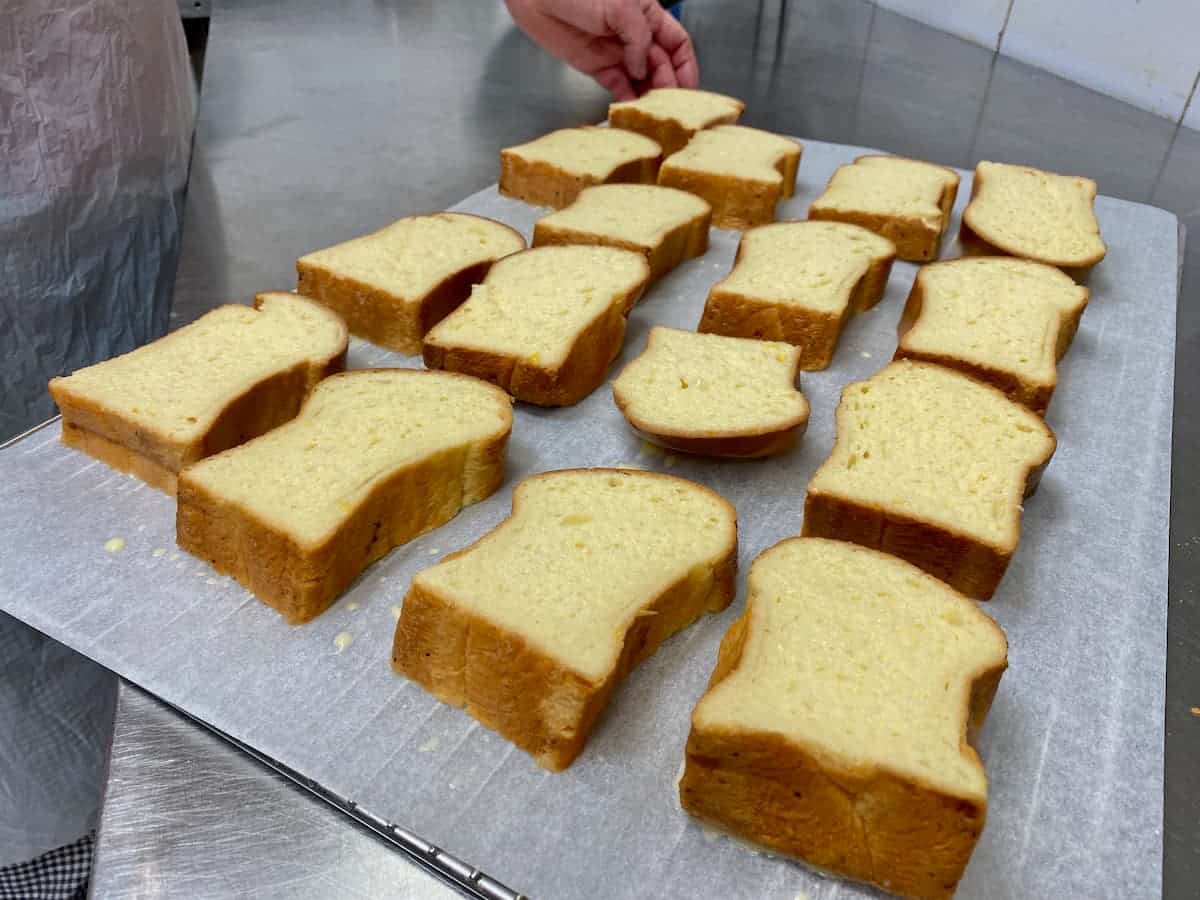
(1073, 746)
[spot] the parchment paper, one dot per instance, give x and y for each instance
(1073, 746)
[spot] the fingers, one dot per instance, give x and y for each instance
(616, 81)
(630, 21)
(661, 70)
(672, 37)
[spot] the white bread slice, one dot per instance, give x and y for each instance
(545, 324)
(837, 722)
(1025, 212)
(714, 395)
(1002, 320)
(931, 466)
(231, 375)
(908, 201)
(800, 282)
(664, 225)
(742, 173)
(552, 170)
(392, 286)
(375, 458)
(533, 626)
(672, 116)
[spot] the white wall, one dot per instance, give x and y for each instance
(1145, 52)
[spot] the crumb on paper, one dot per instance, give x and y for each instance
(670, 460)
(633, 465)
(434, 551)
(352, 606)
(1196, 711)
(649, 450)
(710, 834)
(114, 545)
(396, 613)
(802, 896)
(430, 745)
(864, 354)
(141, 528)
(342, 640)
(210, 581)
(159, 552)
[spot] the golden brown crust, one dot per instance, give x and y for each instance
(816, 333)
(521, 692)
(385, 319)
(545, 184)
(155, 457)
(526, 378)
(975, 244)
(301, 581)
(669, 133)
(870, 824)
(685, 241)
(738, 203)
(915, 239)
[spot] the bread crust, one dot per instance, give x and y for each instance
(383, 318)
(967, 564)
(670, 134)
(528, 379)
(915, 239)
(302, 581)
(1032, 393)
(815, 332)
(871, 824)
(728, 443)
(154, 456)
(737, 203)
(975, 243)
(517, 689)
(545, 184)
(685, 241)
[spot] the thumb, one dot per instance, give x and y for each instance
(628, 21)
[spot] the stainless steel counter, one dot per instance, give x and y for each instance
(367, 111)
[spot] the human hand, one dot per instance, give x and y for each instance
(628, 46)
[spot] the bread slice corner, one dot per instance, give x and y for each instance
(932, 466)
(836, 727)
(375, 458)
(712, 395)
(532, 627)
(800, 282)
(233, 374)
(672, 116)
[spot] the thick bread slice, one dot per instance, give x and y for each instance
(742, 173)
(552, 170)
(908, 201)
(672, 116)
(1025, 212)
(713, 395)
(1002, 320)
(545, 323)
(930, 466)
(836, 725)
(799, 282)
(533, 626)
(392, 286)
(375, 458)
(664, 225)
(231, 375)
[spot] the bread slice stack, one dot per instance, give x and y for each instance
(714, 395)
(1032, 214)
(375, 458)
(836, 725)
(392, 286)
(545, 324)
(907, 201)
(800, 282)
(1004, 321)
(532, 627)
(552, 170)
(231, 375)
(931, 466)
(672, 116)
(664, 225)
(741, 172)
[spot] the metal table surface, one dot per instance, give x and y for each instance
(358, 113)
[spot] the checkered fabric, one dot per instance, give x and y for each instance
(61, 874)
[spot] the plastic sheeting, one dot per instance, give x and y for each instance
(96, 112)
